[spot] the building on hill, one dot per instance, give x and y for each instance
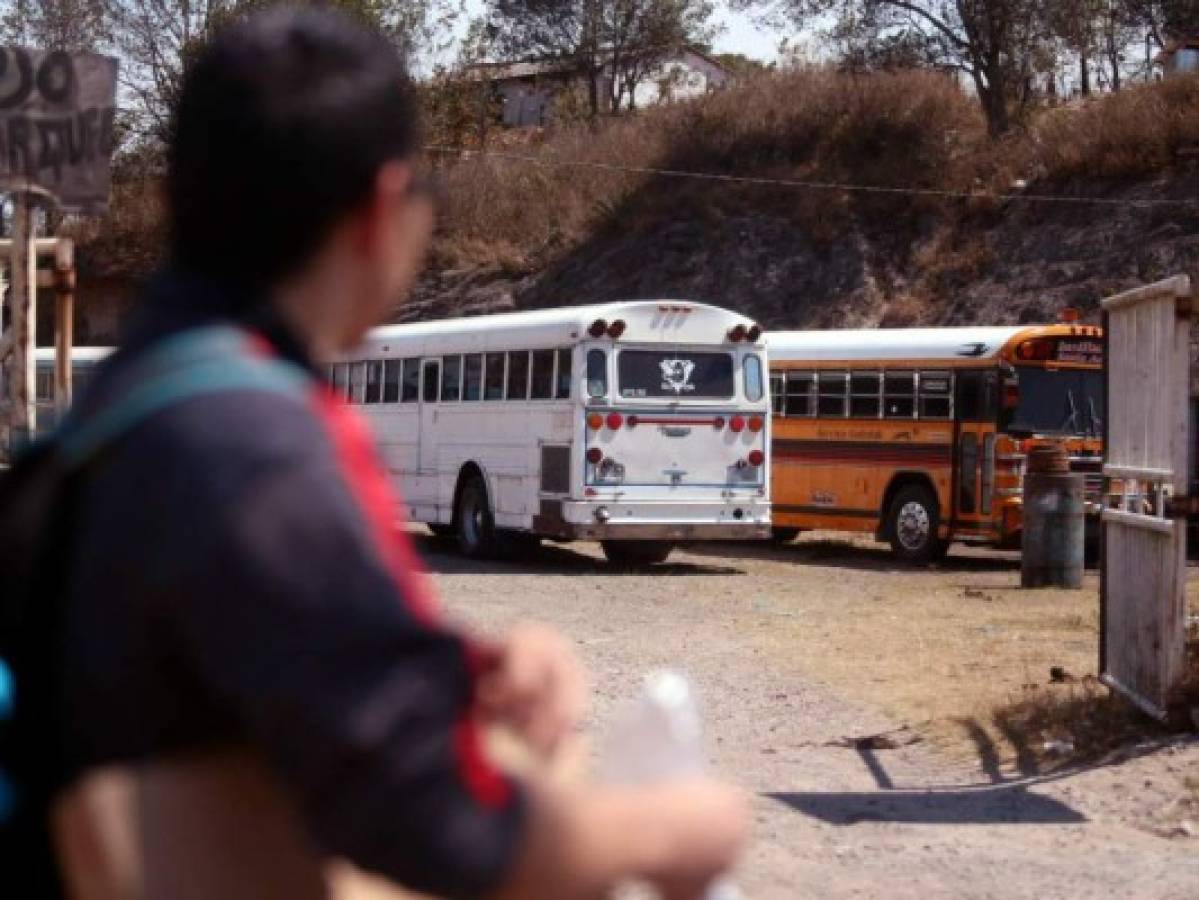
(1180, 56)
(531, 91)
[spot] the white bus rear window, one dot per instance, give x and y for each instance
(543, 374)
(674, 375)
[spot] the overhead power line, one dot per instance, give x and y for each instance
(557, 163)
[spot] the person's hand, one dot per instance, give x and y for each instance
(704, 825)
(534, 686)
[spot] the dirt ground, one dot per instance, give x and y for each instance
(877, 715)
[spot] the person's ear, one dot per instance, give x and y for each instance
(380, 215)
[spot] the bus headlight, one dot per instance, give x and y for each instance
(602, 514)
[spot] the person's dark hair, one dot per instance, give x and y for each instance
(282, 125)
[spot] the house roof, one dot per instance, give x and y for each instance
(1176, 44)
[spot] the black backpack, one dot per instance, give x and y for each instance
(37, 499)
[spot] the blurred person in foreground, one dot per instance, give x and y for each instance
(235, 578)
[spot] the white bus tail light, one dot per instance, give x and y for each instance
(633, 420)
(737, 424)
(616, 329)
(718, 423)
(595, 456)
(756, 458)
(598, 328)
(595, 421)
(755, 424)
(615, 420)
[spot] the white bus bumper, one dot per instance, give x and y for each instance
(737, 518)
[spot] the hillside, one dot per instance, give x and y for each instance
(533, 232)
(550, 218)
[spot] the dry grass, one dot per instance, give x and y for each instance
(892, 129)
(895, 129)
(962, 654)
(1137, 132)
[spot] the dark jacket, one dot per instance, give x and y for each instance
(236, 577)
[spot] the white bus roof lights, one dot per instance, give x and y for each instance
(653, 321)
(891, 344)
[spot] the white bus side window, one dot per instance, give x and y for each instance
(518, 375)
(357, 382)
(451, 379)
(432, 380)
(472, 379)
(391, 381)
(543, 374)
(865, 389)
(493, 382)
(753, 378)
(410, 388)
(899, 395)
(597, 373)
(341, 380)
(801, 394)
(374, 381)
(564, 375)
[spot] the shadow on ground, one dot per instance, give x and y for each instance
(1010, 804)
(441, 557)
(845, 554)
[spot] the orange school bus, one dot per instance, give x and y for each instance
(920, 435)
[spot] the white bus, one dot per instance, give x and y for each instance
(637, 424)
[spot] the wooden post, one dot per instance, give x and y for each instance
(64, 323)
(21, 379)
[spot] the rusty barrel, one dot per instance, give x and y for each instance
(1054, 521)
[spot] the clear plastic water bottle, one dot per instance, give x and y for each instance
(659, 738)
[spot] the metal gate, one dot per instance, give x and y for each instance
(1142, 595)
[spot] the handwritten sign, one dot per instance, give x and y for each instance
(56, 124)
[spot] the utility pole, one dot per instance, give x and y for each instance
(21, 335)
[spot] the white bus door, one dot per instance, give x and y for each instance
(425, 490)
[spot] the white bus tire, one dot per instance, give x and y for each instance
(636, 553)
(473, 520)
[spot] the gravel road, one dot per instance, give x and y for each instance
(833, 819)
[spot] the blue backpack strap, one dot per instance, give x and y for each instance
(190, 364)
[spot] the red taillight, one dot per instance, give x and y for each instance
(598, 328)
(756, 423)
(737, 424)
(633, 421)
(595, 421)
(595, 456)
(1011, 396)
(756, 458)
(718, 423)
(1035, 349)
(616, 329)
(737, 333)
(615, 420)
